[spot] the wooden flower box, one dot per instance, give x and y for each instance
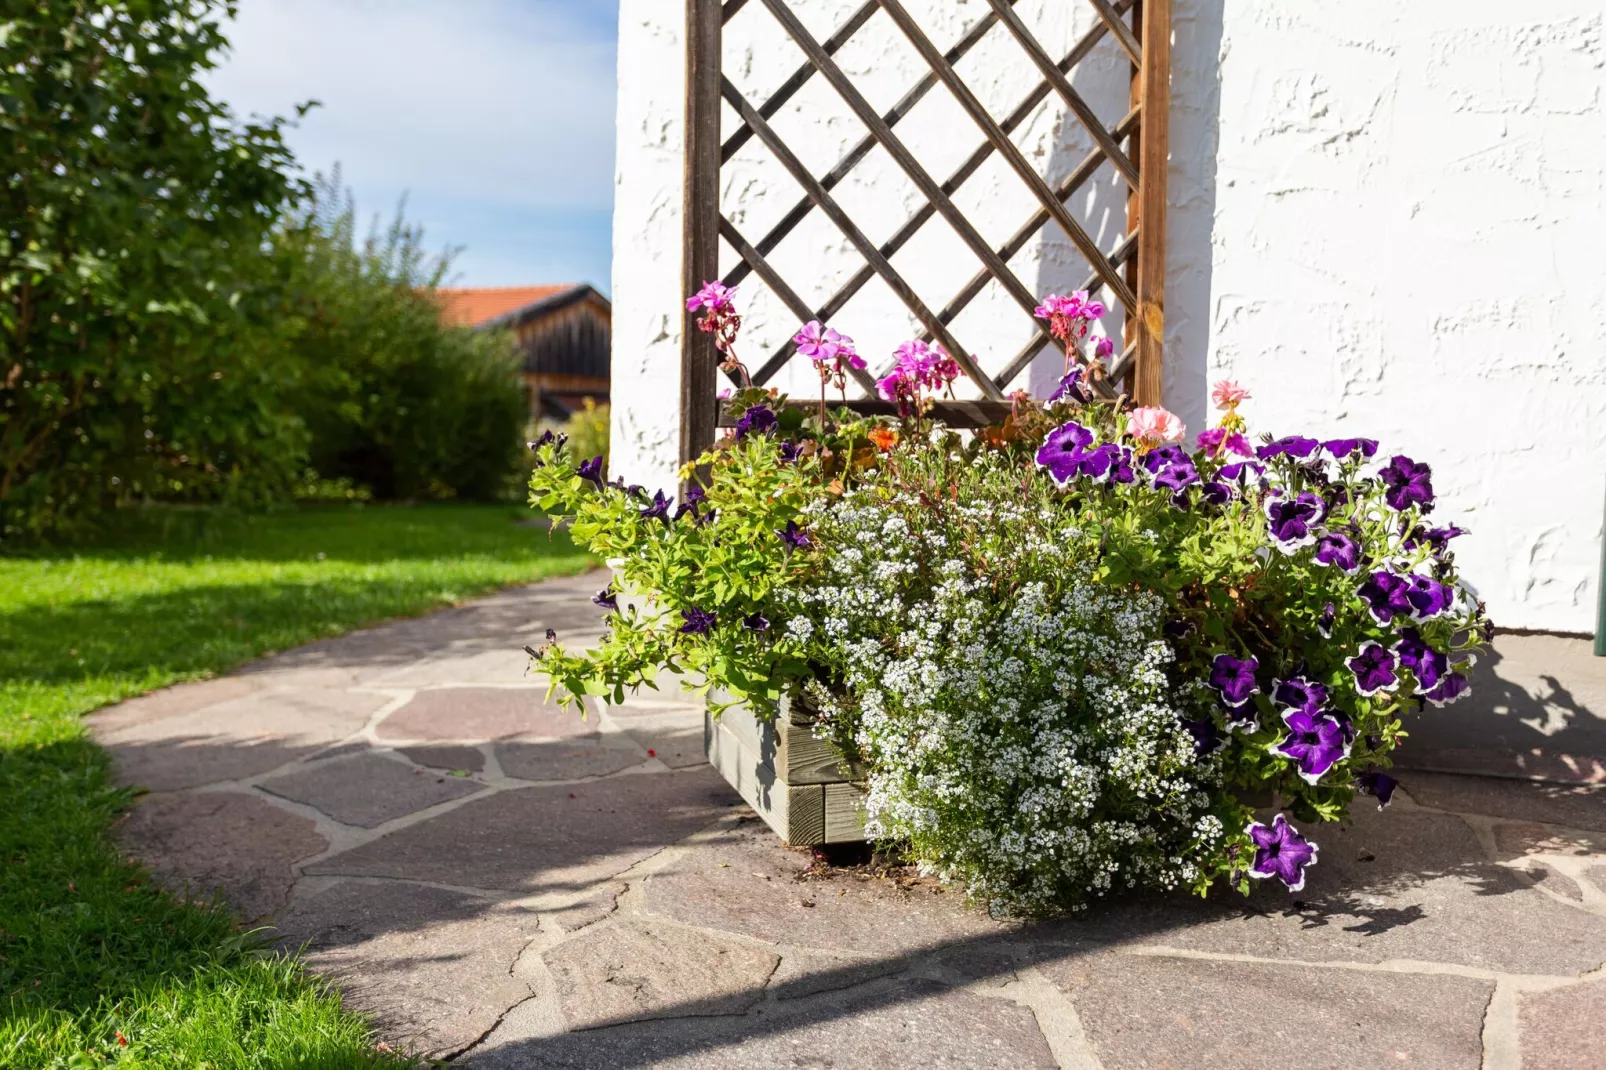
(799, 784)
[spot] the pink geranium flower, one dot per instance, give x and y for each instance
(1228, 394)
(1154, 426)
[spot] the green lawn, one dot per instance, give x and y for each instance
(97, 966)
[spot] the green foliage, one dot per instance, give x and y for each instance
(133, 293)
(89, 946)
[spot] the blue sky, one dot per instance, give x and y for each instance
(493, 117)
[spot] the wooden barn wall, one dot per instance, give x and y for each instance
(573, 341)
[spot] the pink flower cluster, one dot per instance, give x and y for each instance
(1069, 316)
(920, 367)
(831, 352)
(714, 297)
(1228, 394)
(1153, 426)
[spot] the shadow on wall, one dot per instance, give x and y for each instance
(1103, 80)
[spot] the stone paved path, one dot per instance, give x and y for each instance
(505, 885)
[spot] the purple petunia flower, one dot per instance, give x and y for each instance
(1428, 597)
(1345, 447)
(1206, 736)
(1427, 665)
(1298, 693)
(756, 622)
(1071, 386)
(755, 421)
(794, 536)
(1164, 457)
(1338, 550)
(1062, 451)
(1437, 538)
(606, 599)
(1177, 477)
(1215, 493)
(1408, 483)
(592, 470)
(1240, 471)
(1281, 852)
(1314, 743)
(693, 498)
(1452, 687)
(1385, 594)
(704, 517)
(1378, 784)
(1324, 623)
(1234, 679)
(1374, 669)
(697, 621)
(790, 451)
(1292, 521)
(658, 508)
(1294, 446)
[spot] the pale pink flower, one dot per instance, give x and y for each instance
(1153, 426)
(1227, 394)
(1104, 348)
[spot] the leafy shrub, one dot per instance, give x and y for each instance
(588, 431)
(1073, 654)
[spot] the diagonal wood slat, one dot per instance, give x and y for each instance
(1007, 148)
(1111, 14)
(901, 154)
(1067, 92)
(850, 230)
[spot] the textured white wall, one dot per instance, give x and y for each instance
(1387, 220)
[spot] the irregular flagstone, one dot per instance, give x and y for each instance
(636, 971)
(1396, 885)
(551, 841)
(1141, 1011)
(1514, 840)
(225, 841)
(171, 702)
(745, 881)
(1563, 1029)
(565, 760)
(460, 713)
(241, 737)
(905, 1023)
(1571, 805)
(368, 790)
(447, 756)
(1596, 875)
(675, 737)
(432, 966)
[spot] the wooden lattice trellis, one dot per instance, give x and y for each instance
(1132, 275)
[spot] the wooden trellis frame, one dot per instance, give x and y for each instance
(1132, 275)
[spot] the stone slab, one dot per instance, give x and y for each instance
(1563, 1029)
(568, 760)
(545, 840)
(433, 967)
(1186, 1014)
(1571, 805)
(204, 842)
(368, 790)
(447, 756)
(483, 713)
(746, 882)
(902, 1023)
(634, 971)
(675, 737)
(241, 737)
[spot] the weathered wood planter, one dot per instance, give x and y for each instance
(800, 785)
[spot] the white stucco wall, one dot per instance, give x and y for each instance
(1387, 220)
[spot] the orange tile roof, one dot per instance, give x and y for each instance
(474, 305)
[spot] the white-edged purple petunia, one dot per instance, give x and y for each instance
(1294, 446)
(1324, 622)
(1386, 596)
(1281, 852)
(1207, 737)
(1378, 784)
(1108, 463)
(1408, 483)
(1374, 669)
(1315, 743)
(1234, 679)
(1340, 550)
(1428, 597)
(1453, 686)
(1428, 666)
(1292, 521)
(1061, 452)
(1298, 693)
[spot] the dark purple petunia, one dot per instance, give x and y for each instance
(1071, 386)
(1427, 665)
(1378, 784)
(756, 622)
(1206, 736)
(658, 508)
(1345, 447)
(790, 451)
(794, 536)
(693, 498)
(1281, 852)
(1214, 493)
(1408, 483)
(1177, 477)
(1095, 464)
(1338, 550)
(1119, 466)
(1234, 679)
(1374, 669)
(704, 517)
(1452, 687)
(1385, 594)
(1292, 521)
(1298, 693)
(1324, 623)
(1314, 743)
(1294, 446)
(1241, 471)
(1062, 451)
(592, 470)
(1428, 597)
(1164, 457)
(1176, 629)
(606, 599)
(697, 621)
(755, 421)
